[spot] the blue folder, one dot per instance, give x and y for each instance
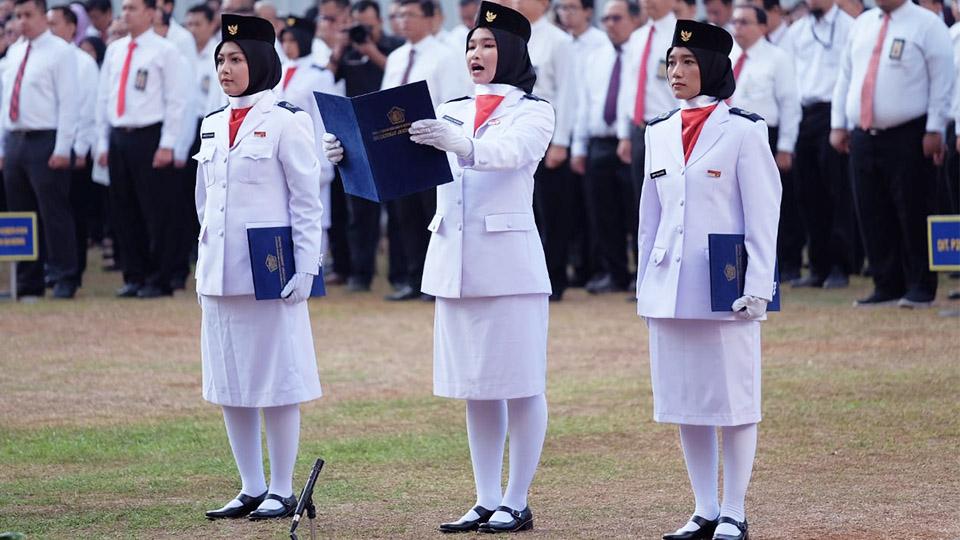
(380, 162)
(272, 262)
(728, 271)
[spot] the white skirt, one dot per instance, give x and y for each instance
(257, 354)
(490, 348)
(705, 372)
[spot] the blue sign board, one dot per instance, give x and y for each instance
(943, 234)
(18, 236)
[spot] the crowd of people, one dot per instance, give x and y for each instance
(861, 108)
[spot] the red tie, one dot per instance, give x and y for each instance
(15, 97)
(288, 75)
(691, 124)
(236, 118)
(739, 66)
(406, 72)
(869, 88)
(638, 108)
(486, 104)
(124, 75)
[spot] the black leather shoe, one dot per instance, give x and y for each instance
(355, 284)
(64, 290)
(809, 281)
(605, 285)
(152, 291)
(742, 525)
(467, 525)
(522, 521)
(405, 293)
(129, 290)
(705, 532)
(248, 504)
(877, 299)
(288, 506)
(836, 280)
(556, 297)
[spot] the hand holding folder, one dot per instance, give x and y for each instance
(273, 267)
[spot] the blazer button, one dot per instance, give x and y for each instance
(677, 259)
(681, 202)
(679, 229)
(459, 226)
(459, 201)
(223, 185)
(220, 234)
(509, 226)
(221, 208)
(681, 170)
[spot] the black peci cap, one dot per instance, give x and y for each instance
(305, 25)
(503, 18)
(702, 36)
(241, 27)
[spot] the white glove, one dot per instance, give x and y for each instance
(750, 307)
(298, 288)
(442, 136)
(332, 148)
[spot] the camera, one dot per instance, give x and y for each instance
(359, 33)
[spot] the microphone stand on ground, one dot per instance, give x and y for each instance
(306, 503)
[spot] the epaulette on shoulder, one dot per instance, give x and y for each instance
(289, 106)
(662, 117)
(534, 97)
(460, 99)
(221, 109)
(753, 117)
(317, 66)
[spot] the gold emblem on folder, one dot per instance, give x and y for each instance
(730, 272)
(272, 263)
(685, 35)
(396, 115)
(233, 29)
(491, 16)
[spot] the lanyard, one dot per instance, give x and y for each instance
(813, 30)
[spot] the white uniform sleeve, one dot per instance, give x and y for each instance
(581, 127)
(938, 55)
(760, 192)
(649, 213)
(838, 108)
(787, 94)
(175, 95)
(565, 106)
(192, 96)
(68, 101)
(526, 142)
(200, 189)
(86, 128)
(103, 101)
(297, 151)
(627, 97)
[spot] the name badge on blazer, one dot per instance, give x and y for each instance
(452, 120)
(713, 173)
(209, 135)
(896, 49)
(657, 174)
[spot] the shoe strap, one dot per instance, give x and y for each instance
(703, 522)
(482, 512)
(247, 499)
(282, 500)
(741, 525)
(515, 513)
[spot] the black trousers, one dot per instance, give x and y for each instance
(363, 235)
(397, 273)
(83, 201)
(637, 154)
(824, 196)
(143, 199)
(948, 192)
(790, 237)
(612, 204)
(186, 210)
(32, 186)
(415, 212)
(584, 253)
(339, 220)
(895, 188)
(554, 191)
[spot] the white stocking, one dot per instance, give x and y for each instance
(283, 440)
(739, 449)
(527, 420)
(486, 431)
(700, 453)
(243, 430)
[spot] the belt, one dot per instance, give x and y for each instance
(125, 129)
(33, 132)
(874, 132)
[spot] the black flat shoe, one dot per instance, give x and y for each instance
(467, 525)
(522, 521)
(129, 290)
(248, 504)
(742, 525)
(288, 506)
(705, 532)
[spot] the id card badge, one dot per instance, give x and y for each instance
(140, 83)
(662, 70)
(896, 49)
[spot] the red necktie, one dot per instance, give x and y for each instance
(236, 119)
(739, 66)
(288, 75)
(869, 88)
(124, 75)
(486, 104)
(406, 72)
(15, 97)
(692, 122)
(638, 108)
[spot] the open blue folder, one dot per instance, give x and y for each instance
(728, 271)
(380, 162)
(272, 262)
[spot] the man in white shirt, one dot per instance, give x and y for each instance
(422, 58)
(63, 24)
(609, 188)
(767, 85)
(894, 90)
(468, 16)
(332, 18)
(141, 107)
(777, 24)
(685, 9)
(39, 118)
(720, 13)
(101, 15)
(816, 43)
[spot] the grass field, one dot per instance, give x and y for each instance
(103, 433)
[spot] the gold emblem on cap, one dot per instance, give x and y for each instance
(685, 35)
(491, 16)
(291, 21)
(232, 29)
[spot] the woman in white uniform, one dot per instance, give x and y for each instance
(485, 265)
(257, 163)
(708, 170)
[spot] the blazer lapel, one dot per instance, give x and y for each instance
(711, 133)
(509, 101)
(255, 117)
(674, 127)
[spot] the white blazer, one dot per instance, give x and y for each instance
(730, 185)
(269, 174)
(485, 241)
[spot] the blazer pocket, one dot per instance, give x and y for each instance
(253, 158)
(204, 158)
(434, 225)
(656, 256)
(509, 222)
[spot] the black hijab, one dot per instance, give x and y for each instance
(256, 38)
(711, 45)
(511, 30)
(302, 31)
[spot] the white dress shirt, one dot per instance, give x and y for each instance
(187, 45)
(768, 86)
(955, 37)
(915, 76)
(780, 35)
(433, 62)
(550, 53)
(88, 76)
(593, 98)
(210, 94)
(659, 96)
(156, 88)
(584, 47)
(48, 90)
(457, 38)
(320, 51)
(816, 47)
